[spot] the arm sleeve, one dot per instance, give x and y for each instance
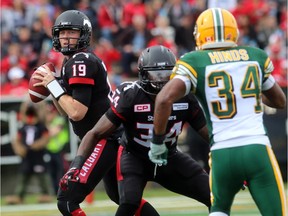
(82, 93)
(113, 117)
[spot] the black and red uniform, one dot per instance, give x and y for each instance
(34, 162)
(28, 134)
(84, 77)
(134, 108)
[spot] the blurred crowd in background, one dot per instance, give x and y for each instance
(123, 28)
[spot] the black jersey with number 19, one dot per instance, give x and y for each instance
(85, 79)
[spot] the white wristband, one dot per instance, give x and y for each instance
(268, 83)
(55, 89)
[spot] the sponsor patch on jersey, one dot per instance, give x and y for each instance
(142, 108)
(180, 106)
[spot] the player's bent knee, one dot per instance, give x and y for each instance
(63, 208)
(70, 209)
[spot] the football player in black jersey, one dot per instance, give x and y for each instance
(132, 106)
(82, 93)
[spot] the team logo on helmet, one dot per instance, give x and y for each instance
(209, 39)
(87, 22)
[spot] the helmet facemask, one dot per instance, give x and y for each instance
(154, 80)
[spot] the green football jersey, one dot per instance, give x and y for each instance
(228, 84)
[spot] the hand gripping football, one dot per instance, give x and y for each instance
(39, 93)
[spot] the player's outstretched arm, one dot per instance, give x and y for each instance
(103, 128)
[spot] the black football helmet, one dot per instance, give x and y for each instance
(155, 66)
(72, 19)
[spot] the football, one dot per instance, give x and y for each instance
(39, 93)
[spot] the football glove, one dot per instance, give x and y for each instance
(158, 151)
(158, 154)
(72, 173)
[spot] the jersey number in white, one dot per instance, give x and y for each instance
(171, 136)
(79, 70)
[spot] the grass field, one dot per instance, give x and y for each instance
(167, 204)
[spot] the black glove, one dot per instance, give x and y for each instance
(72, 173)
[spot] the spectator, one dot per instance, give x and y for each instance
(162, 24)
(30, 144)
(85, 7)
(265, 28)
(110, 17)
(6, 40)
(18, 15)
(39, 37)
(160, 39)
(44, 6)
(277, 51)
(258, 7)
(40, 42)
(176, 10)
(184, 35)
(248, 35)
(109, 54)
(46, 20)
(132, 8)
(132, 41)
(24, 38)
(17, 84)
(228, 5)
(152, 10)
(59, 137)
(282, 15)
(13, 58)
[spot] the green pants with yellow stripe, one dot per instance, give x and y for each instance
(256, 164)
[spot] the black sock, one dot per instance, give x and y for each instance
(148, 210)
(126, 210)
